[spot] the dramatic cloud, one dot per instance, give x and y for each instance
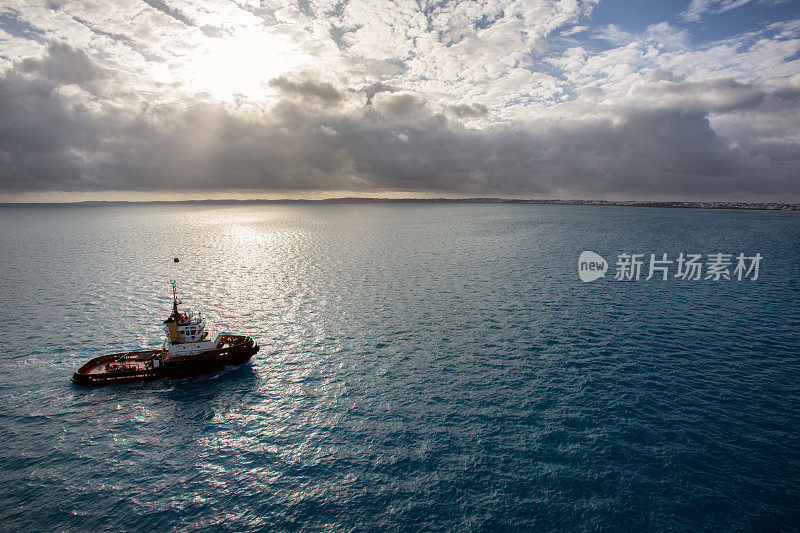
(308, 89)
(455, 98)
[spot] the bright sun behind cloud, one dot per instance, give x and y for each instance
(576, 98)
(241, 64)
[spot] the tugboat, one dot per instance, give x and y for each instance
(189, 349)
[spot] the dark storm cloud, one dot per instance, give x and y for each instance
(49, 141)
(469, 111)
(374, 88)
(722, 95)
(64, 64)
(398, 104)
(307, 89)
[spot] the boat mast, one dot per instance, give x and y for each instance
(174, 300)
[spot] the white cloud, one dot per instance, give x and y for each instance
(478, 95)
(698, 8)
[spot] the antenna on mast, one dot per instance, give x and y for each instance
(174, 298)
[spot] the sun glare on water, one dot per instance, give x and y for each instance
(240, 65)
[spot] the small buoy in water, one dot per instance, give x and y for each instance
(176, 259)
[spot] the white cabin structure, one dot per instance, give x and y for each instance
(187, 333)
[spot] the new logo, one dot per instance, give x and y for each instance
(591, 266)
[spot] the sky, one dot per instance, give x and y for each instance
(162, 99)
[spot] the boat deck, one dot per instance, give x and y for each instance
(121, 362)
(142, 361)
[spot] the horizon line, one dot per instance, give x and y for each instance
(706, 204)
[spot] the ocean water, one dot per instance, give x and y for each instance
(422, 367)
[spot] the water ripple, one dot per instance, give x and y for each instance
(421, 368)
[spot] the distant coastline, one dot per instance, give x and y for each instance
(767, 206)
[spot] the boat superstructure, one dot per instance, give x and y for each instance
(190, 348)
(187, 333)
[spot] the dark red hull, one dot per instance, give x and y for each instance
(148, 365)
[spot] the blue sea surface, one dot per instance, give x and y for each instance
(422, 367)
